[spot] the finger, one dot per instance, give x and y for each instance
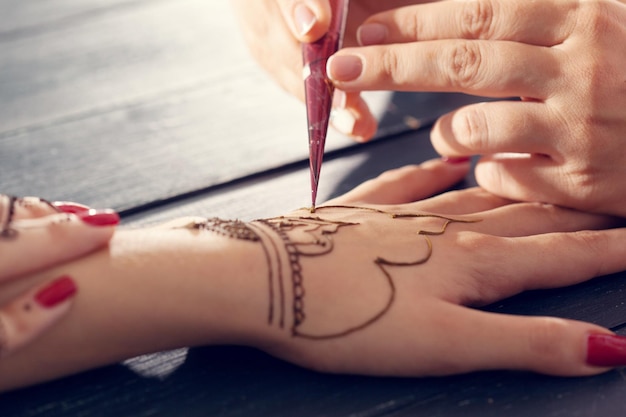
(540, 178)
(538, 218)
(542, 23)
(30, 244)
(406, 184)
(308, 20)
(352, 117)
(541, 344)
(16, 208)
(32, 313)
(542, 261)
(467, 201)
(484, 68)
(534, 178)
(497, 127)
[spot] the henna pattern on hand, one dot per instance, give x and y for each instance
(312, 236)
(7, 212)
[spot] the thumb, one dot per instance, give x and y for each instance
(308, 20)
(407, 184)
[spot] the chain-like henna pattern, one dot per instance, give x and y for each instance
(320, 231)
(7, 212)
(6, 217)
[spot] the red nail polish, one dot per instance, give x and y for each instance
(57, 292)
(606, 350)
(456, 159)
(99, 217)
(68, 207)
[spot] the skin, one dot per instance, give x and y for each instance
(560, 143)
(211, 288)
(43, 237)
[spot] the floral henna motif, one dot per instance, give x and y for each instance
(312, 236)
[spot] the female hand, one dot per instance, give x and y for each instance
(274, 31)
(34, 235)
(562, 143)
(386, 289)
(370, 283)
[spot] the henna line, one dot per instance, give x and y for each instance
(7, 232)
(297, 286)
(379, 262)
(270, 276)
(281, 280)
(314, 227)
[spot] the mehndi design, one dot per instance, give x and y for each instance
(7, 211)
(8, 205)
(312, 236)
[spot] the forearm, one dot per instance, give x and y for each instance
(149, 290)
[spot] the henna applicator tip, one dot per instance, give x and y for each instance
(319, 89)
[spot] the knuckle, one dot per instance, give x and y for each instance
(543, 341)
(477, 19)
(487, 262)
(463, 66)
(595, 16)
(395, 68)
(594, 244)
(412, 26)
(389, 62)
(471, 128)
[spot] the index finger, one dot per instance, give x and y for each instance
(479, 67)
(538, 23)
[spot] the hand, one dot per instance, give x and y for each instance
(36, 234)
(377, 297)
(274, 31)
(344, 290)
(562, 142)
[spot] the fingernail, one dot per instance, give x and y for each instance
(304, 18)
(69, 207)
(99, 217)
(456, 160)
(57, 292)
(344, 67)
(371, 34)
(606, 350)
(343, 120)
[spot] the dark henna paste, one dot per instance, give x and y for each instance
(312, 236)
(7, 211)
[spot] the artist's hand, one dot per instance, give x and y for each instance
(34, 235)
(274, 31)
(563, 142)
(374, 296)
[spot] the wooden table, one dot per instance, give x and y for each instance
(154, 108)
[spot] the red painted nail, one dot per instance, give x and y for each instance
(456, 159)
(68, 207)
(99, 217)
(57, 292)
(606, 350)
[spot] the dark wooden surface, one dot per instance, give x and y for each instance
(154, 107)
